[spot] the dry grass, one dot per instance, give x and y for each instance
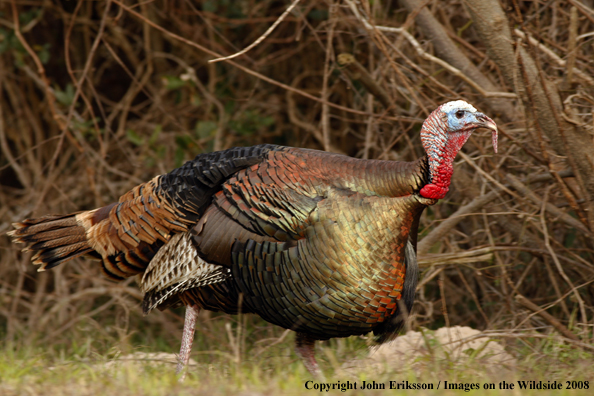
(116, 95)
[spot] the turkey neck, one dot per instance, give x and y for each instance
(406, 178)
(369, 177)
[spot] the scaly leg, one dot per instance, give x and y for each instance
(305, 348)
(187, 340)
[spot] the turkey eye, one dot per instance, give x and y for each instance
(460, 114)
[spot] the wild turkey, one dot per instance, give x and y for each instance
(319, 243)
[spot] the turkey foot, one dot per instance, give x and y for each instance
(305, 348)
(187, 340)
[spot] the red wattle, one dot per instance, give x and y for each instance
(440, 182)
(434, 192)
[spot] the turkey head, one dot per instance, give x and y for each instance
(443, 134)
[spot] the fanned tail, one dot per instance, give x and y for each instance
(55, 238)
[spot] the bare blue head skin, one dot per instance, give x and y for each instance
(443, 134)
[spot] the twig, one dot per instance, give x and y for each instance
(470, 162)
(325, 121)
(369, 129)
(295, 119)
(556, 259)
(190, 74)
(123, 106)
(36, 60)
(555, 284)
(559, 299)
(520, 187)
(546, 316)
(261, 38)
(442, 229)
(561, 62)
(444, 307)
(85, 293)
(12, 317)
(571, 47)
(77, 83)
(20, 172)
(382, 41)
(588, 13)
(457, 258)
(472, 293)
(500, 263)
(356, 71)
(275, 342)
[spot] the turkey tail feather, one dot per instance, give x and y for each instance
(55, 238)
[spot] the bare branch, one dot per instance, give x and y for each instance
(262, 37)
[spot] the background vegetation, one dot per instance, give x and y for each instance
(98, 96)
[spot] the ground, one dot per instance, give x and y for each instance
(466, 358)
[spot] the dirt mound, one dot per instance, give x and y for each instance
(449, 347)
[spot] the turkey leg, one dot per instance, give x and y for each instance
(187, 340)
(305, 349)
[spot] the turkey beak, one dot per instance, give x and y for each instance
(485, 122)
